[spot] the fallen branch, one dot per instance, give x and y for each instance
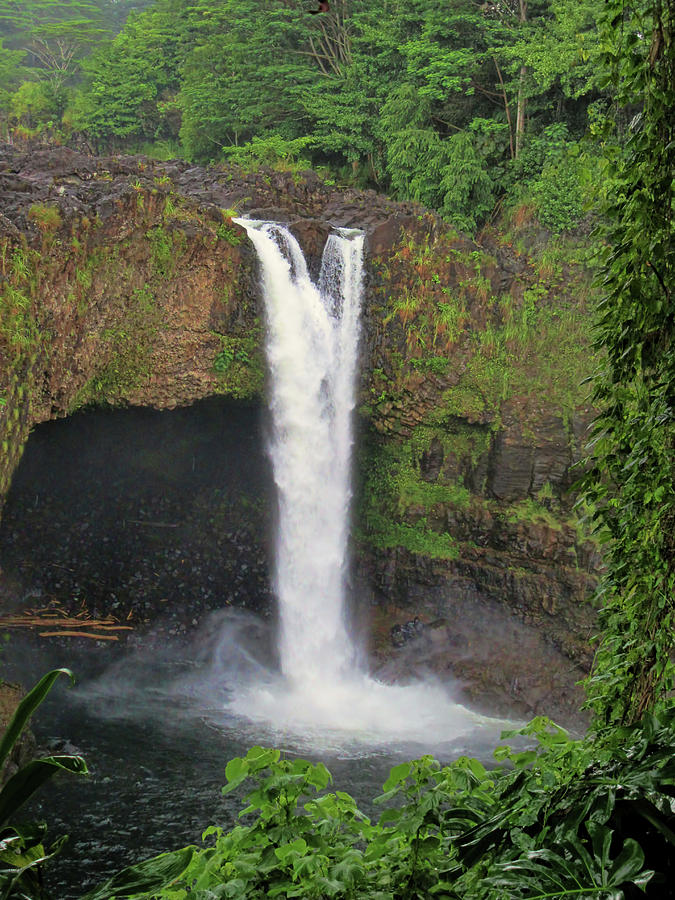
(84, 634)
(32, 621)
(68, 626)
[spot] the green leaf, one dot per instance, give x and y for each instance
(389, 816)
(319, 776)
(32, 776)
(236, 771)
(149, 876)
(27, 707)
(397, 775)
(298, 846)
(12, 879)
(628, 864)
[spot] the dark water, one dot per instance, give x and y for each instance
(155, 785)
(149, 516)
(157, 756)
(162, 517)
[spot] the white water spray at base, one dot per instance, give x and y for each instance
(312, 348)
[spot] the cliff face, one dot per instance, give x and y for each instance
(473, 420)
(107, 295)
(125, 281)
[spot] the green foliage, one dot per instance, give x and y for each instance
(555, 818)
(449, 174)
(396, 503)
(548, 173)
(415, 537)
(146, 878)
(131, 83)
(19, 334)
(9, 72)
(241, 78)
(227, 233)
(31, 105)
(239, 364)
(411, 98)
(530, 343)
(271, 150)
(532, 511)
(630, 477)
(22, 853)
(558, 197)
(539, 350)
(125, 352)
(164, 249)
(467, 189)
(46, 217)
(559, 48)
(414, 150)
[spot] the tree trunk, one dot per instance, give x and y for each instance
(522, 100)
(507, 109)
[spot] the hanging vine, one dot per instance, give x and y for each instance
(631, 475)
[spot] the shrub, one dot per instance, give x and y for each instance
(47, 218)
(561, 818)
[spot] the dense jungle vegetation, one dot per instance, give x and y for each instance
(463, 107)
(460, 106)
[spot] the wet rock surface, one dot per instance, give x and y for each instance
(526, 576)
(498, 665)
(81, 185)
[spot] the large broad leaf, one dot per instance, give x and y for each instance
(17, 868)
(26, 708)
(150, 875)
(29, 778)
(547, 873)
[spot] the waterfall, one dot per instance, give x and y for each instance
(312, 347)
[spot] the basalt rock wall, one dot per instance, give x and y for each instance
(473, 422)
(126, 282)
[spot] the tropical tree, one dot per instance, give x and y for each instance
(55, 35)
(242, 77)
(132, 81)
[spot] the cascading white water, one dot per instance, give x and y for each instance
(312, 348)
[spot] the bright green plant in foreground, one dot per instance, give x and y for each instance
(564, 818)
(22, 853)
